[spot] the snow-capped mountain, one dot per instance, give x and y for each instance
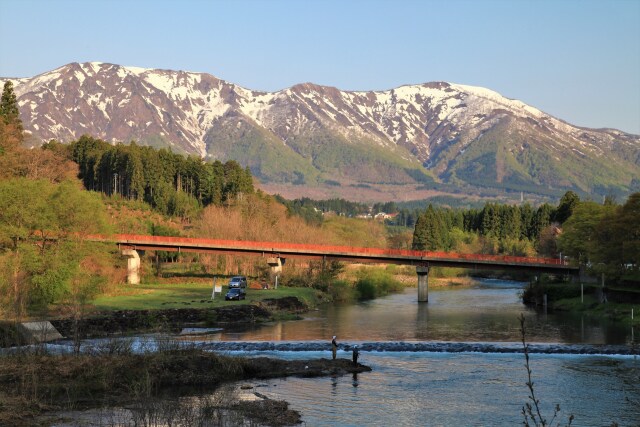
(308, 134)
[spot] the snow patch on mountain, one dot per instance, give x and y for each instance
(136, 70)
(123, 103)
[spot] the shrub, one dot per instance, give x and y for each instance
(342, 291)
(373, 283)
(366, 289)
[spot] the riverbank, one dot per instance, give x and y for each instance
(172, 306)
(119, 323)
(123, 322)
(41, 388)
(260, 306)
(186, 294)
(33, 385)
(619, 305)
(590, 305)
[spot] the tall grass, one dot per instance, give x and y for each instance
(342, 291)
(374, 283)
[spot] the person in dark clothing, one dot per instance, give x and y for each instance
(356, 353)
(334, 347)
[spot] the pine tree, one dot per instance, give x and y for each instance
(565, 208)
(420, 234)
(9, 107)
(429, 233)
(11, 135)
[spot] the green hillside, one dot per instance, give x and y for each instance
(310, 158)
(523, 161)
(239, 138)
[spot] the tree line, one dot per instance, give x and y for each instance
(499, 228)
(42, 207)
(312, 210)
(169, 182)
(605, 238)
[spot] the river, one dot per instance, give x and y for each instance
(455, 361)
(470, 373)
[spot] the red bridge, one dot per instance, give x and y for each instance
(277, 251)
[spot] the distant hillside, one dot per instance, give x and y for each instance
(403, 144)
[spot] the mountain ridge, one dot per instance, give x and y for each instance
(428, 135)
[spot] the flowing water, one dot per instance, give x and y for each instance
(454, 361)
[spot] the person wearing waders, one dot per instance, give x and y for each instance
(355, 355)
(334, 347)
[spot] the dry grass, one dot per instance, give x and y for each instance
(256, 217)
(450, 281)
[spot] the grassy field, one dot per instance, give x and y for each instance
(154, 296)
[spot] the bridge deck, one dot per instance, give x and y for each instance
(345, 253)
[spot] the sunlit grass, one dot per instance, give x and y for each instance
(156, 296)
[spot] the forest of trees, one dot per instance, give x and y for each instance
(42, 208)
(306, 207)
(603, 237)
(171, 183)
(436, 228)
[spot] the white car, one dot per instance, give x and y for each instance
(238, 282)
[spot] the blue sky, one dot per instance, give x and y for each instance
(578, 60)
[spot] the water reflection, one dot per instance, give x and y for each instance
(485, 311)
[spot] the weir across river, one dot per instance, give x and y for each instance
(277, 252)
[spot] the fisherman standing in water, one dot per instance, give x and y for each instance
(334, 347)
(355, 355)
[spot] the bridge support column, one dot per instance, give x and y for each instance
(133, 266)
(423, 283)
(276, 265)
(276, 268)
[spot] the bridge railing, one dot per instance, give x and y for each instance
(274, 247)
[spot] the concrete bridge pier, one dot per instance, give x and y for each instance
(276, 265)
(423, 283)
(276, 268)
(133, 266)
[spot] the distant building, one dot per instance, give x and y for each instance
(382, 216)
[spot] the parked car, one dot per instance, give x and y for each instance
(235, 293)
(238, 282)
